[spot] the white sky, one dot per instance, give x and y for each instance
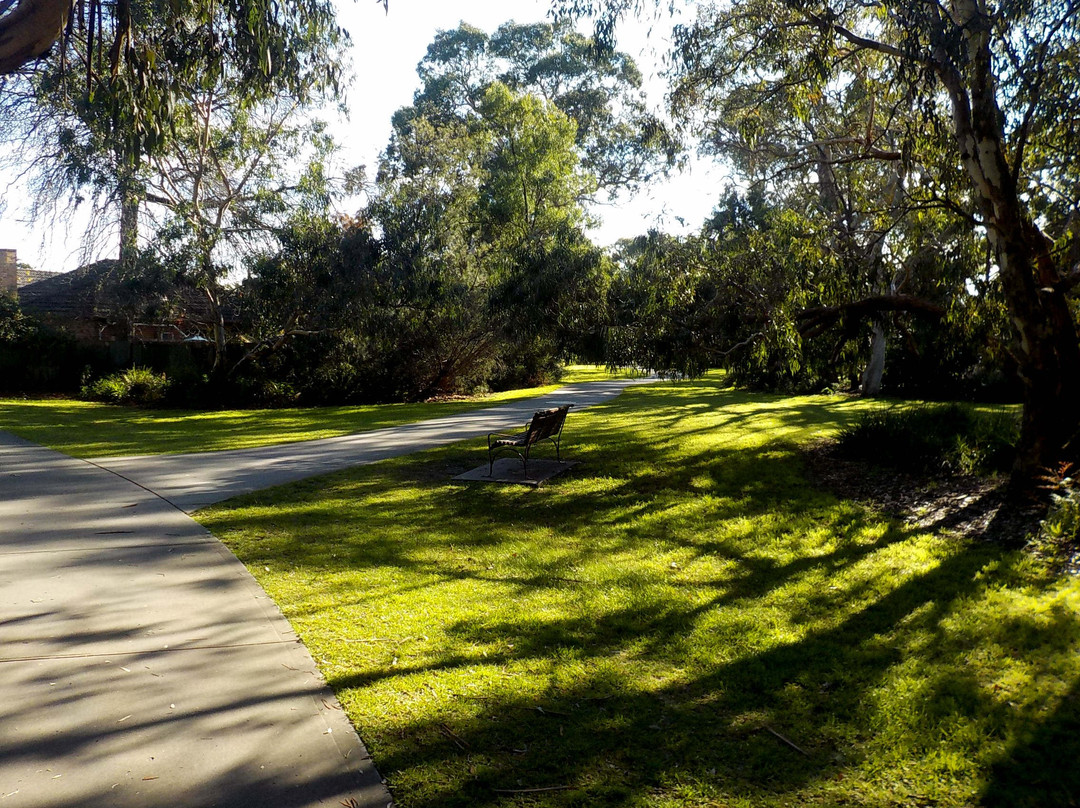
(387, 48)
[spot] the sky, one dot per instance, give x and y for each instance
(386, 49)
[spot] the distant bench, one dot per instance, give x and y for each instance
(545, 425)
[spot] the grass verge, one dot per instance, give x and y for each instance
(86, 429)
(682, 620)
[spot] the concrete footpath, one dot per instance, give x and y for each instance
(141, 666)
(193, 481)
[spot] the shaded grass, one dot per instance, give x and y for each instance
(934, 437)
(86, 429)
(639, 629)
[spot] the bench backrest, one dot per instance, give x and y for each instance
(546, 423)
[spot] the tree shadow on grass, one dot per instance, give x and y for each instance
(715, 725)
(1042, 768)
(784, 615)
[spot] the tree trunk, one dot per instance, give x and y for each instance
(214, 299)
(130, 192)
(30, 30)
(1047, 350)
(875, 368)
(1048, 353)
(129, 230)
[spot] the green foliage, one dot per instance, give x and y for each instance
(138, 386)
(128, 71)
(869, 110)
(737, 296)
(1061, 526)
(620, 142)
(14, 325)
(934, 437)
(724, 298)
(191, 121)
(483, 275)
(1062, 522)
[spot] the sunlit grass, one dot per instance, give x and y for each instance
(663, 625)
(86, 429)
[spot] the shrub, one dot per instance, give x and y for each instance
(1062, 522)
(1061, 525)
(133, 386)
(932, 437)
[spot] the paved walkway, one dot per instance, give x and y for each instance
(141, 666)
(193, 481)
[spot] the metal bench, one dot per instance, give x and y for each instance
(545, 425)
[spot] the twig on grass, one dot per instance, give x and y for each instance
(786, 740)
(462, 745)
(529, 790)
(543, 711)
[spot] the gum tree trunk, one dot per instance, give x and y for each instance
(875, 368)
(30, 30)
(1047, 350)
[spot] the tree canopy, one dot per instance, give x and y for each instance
(974, 99)
(622, 143)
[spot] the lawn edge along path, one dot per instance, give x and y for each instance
(194, 481)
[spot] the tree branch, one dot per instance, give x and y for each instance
(816, 321)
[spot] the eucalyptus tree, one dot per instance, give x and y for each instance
(481, 230)
(231, 179)
(620, 141)
(997, 82)
(262, 37)
(126, 75)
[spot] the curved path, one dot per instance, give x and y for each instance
(141, 666)
(193, 481)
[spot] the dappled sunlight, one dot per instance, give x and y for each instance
(682, 618)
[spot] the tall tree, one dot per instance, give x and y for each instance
(109, 97)
(620, 141)
(479, 215)
(1000, 81)
(232, 177)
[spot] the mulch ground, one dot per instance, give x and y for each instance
(971, 507)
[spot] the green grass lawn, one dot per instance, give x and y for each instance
(665, 624)
(87, 429)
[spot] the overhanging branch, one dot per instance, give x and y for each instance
(815, 321)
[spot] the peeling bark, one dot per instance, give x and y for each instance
(30, 30)
(1048, 352)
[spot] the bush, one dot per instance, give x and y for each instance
(133, 386)
(934, 437)
(1061, 526)
(1062, 522)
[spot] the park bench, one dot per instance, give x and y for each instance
(545, 425)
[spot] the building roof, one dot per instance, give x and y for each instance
(24, 277)
(98, 291)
